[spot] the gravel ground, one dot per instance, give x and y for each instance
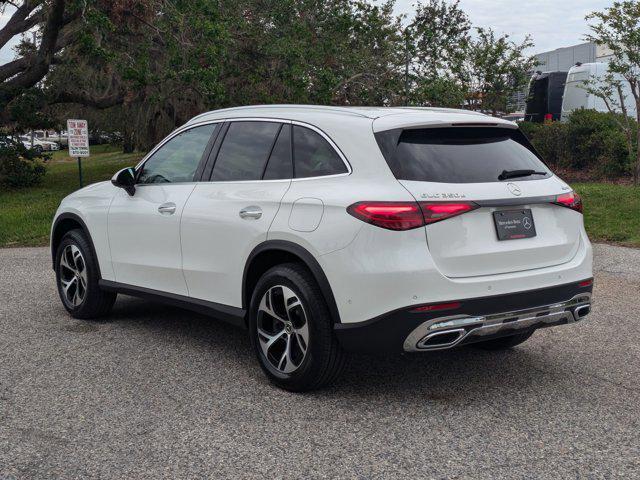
(156, 392)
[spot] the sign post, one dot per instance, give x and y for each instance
(78, 134)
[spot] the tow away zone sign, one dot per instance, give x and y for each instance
(78, 132)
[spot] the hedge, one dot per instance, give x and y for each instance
(588, 141)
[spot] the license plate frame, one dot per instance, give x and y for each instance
(514, 224)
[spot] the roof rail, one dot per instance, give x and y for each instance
(335, 109)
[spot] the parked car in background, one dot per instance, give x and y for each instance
(544, 100)
(514, 117)
(323, 230)
(576, 93)
(39, 144)
(54, 136)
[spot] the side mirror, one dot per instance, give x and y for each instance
(126, 179)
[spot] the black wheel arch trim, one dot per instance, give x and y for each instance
(76, 218)
(310, 262)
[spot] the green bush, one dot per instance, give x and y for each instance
(19, 166)
(613, 160)
(550, 141)
(588, 140)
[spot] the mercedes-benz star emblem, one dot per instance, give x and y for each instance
(526, 223)
(515, 189)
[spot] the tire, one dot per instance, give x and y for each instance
(77, 278)
(290, 293)
(504, 343)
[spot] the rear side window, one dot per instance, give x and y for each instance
(244, 151)
(313, 155)
(458, 155)
(280, 166)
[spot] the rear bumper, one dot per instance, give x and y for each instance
(474, 320)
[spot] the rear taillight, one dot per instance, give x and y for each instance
(570, 200)
(389, 215)
(436, 211)
(407, 215)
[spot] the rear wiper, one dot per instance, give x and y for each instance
(518, 173)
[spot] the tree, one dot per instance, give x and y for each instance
(308, 51)
(618, 29)
(496, 69)
(452, 66)
(169, 62)
(143, 67)
(54, 17)
(153, 64)
(610, 89)
(56, 28)
(437, 42)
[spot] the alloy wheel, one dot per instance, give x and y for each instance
(283, 330)
(73, 275)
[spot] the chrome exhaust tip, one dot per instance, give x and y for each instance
(582, 311)
(441, 339)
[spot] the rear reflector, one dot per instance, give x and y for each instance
(437, 307)
(586, 283)
(570, 200)
(407, 215)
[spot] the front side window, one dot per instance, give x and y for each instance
(313, 155)
(177, 160)
(244, 151)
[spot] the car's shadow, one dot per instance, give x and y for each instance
(453, 375)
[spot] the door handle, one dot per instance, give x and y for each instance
(167, 208)
(251, 212)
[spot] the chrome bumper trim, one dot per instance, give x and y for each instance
(468, 329)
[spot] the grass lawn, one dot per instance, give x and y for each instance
(25, 215)
(612, 212)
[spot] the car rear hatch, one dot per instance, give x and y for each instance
(484, 214)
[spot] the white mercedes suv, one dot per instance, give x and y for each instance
(323, 230)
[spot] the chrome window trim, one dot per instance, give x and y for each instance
(249, 119)
(333, 145)
(221, 183)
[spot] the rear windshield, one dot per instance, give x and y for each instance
(458, 155)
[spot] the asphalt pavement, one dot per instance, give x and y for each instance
(157, 392)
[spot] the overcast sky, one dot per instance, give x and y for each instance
(551, 23)
(6, 53)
